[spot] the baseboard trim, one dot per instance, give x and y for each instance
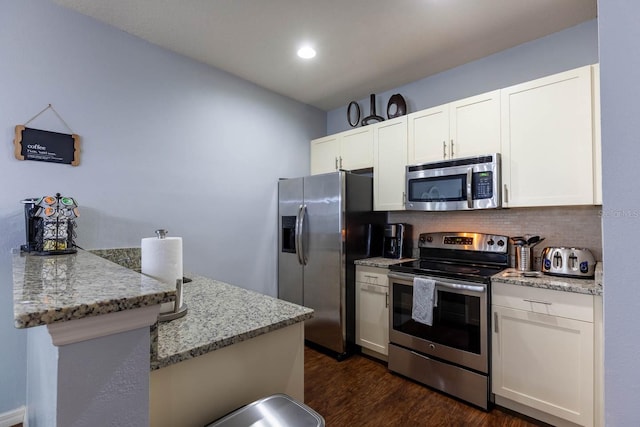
(11, 418)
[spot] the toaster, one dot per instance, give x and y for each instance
(570, 262)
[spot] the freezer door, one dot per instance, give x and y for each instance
(290, 270)
(323, 246)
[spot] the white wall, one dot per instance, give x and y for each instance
(571, 48)
(619, 70)
(166, 143)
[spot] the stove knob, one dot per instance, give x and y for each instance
(500, 243)
(490, 242)
(429, 239)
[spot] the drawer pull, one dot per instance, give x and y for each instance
(537, 301)
(422, 356)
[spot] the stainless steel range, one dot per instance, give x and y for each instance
(451, 353)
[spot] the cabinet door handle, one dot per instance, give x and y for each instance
(451, 150)
(537, 301)
(444, 149)
(340, 162)
(336, 163)
(386, 299)
(506, 193)
(404, 197)
(495, 322)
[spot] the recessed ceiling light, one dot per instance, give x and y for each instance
(306, 52)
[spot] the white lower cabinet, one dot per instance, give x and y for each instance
(543, 353)
(372, 310)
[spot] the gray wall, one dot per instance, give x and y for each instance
(620, 90)
(572, 48)
(166, 143)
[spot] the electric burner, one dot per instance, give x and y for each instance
(470, 256)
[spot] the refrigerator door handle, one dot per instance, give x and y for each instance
(303, 214)
(298, 236)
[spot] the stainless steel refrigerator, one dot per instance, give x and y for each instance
(323, 228)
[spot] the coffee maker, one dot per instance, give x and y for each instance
(395, 242)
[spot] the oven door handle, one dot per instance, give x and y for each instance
(472, 288)
(456, 286)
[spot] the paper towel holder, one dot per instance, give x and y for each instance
(180, 308)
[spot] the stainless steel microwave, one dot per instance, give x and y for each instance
(453, 185)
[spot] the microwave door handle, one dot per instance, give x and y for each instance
(469, 188)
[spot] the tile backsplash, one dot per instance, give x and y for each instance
(574, 226)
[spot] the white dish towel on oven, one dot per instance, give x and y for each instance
(424, 299)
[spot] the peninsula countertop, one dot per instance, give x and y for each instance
(219, 315)
(50, 289)
(57, 288)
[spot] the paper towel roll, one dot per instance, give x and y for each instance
(162, 260)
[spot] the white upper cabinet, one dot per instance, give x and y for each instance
(597, 142)
(547, 141)
(389, 162)
(428, 137)
(463, 128)
(350, 150)
(325, 153)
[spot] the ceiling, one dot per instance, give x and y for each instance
(364, 46)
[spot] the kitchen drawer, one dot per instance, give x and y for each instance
(544, 301)
(372, 275)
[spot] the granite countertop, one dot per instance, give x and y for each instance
(219, 315)
(49, 289)
(381, 262)
(545, 281)
(57, 288)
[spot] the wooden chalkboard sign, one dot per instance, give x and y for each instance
(46, 146)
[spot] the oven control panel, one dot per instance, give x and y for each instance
(464, 241)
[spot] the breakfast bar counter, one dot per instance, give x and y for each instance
(88, 317)
(59, 288)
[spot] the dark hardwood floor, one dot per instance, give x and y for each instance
(361, 391)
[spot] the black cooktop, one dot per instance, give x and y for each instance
(470, 272)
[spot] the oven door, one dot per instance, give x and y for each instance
(459, 332)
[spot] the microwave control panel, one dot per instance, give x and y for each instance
(482, 185)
